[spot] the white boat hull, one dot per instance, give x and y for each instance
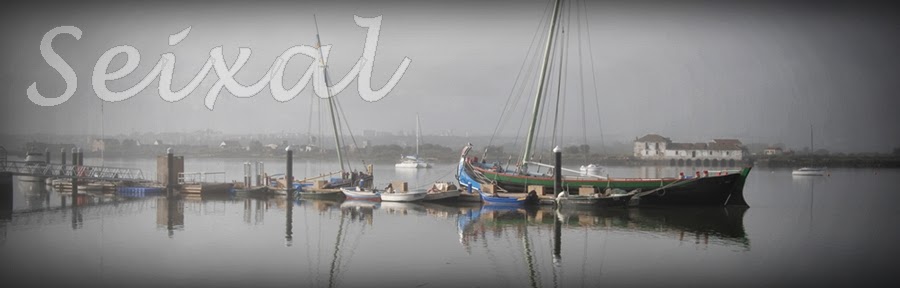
(366, 195)
(808, 172)
(413, 165)
(402, 196)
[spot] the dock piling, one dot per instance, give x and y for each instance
(557, 171)
(62, 151)
(289, 173)
(256, 165)
(75, 175)
(261, 175)
(170, 167)
(247, 176)
(6, 195)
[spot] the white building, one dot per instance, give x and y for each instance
(656, 147)
(773, 151)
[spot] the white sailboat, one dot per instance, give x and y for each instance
(413, 161)
(810, 171)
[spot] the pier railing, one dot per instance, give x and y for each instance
(72, 171)
(201, 177)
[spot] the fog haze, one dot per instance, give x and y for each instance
(692, 71)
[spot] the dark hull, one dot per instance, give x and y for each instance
(715, 190)
(587, 201)
(709, 191)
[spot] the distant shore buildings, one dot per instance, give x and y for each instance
(719, 151)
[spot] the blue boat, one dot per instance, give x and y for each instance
(467, 180)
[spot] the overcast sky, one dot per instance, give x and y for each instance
(692, 71)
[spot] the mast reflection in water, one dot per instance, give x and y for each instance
(230, 240)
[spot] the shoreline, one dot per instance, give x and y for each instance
(793, 161)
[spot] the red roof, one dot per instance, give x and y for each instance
(653, 138)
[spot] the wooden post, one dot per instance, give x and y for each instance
(258, 180)
(62, 169)
(74, 158)
(289, 174)
(75, 152)
(263, 181)
(247, 177)
(557, 171)
(47, 155)
(6, 196)
(170, 167)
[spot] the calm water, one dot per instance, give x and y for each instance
(841, 229)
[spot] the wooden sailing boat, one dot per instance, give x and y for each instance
(719, 188)
(322, 188)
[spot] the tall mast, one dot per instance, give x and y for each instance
(337, 139)
(417, 135)
(811, 148)
(542, 80)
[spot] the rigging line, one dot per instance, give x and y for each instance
(528, 87)
(594, 78)
(565, 72)
(355, 244)
(529, 259)
(555, 63)
(515, 83)
(581, 85)
(340, 126)
(524, 90)
(312, 99)
(345, 123)
(337, 248)
(435, 179)
(560, 84)
(531, 89)
(342, 121)
(541, 123)
(306, 234)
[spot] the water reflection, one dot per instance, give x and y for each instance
(359, 211)
(36, 195)
(289, 222)
(170, 214)
(806, 186)
(701, 225)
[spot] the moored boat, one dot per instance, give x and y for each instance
(408, 196)
(35, 162)
(442, 191)
(810, 171)
(612, 197)
(720, 188)
(717, 188)
(413, 161)
(355, 193)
